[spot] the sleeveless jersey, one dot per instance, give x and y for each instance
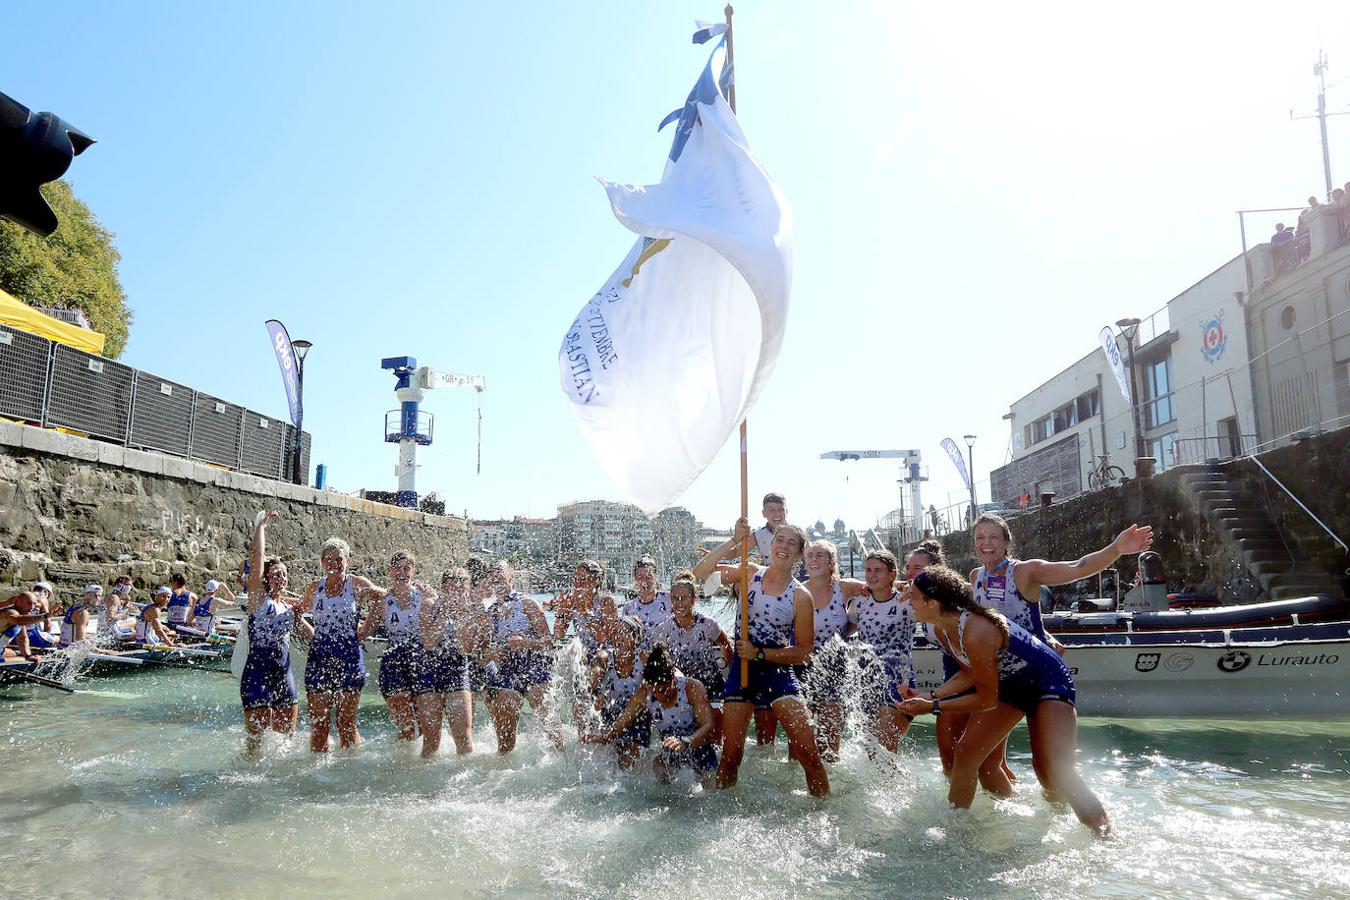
(269, 628)
(1025, 654)
(8, 635)
(508, 618)
(651, 615)
(583, 626)
(202, 617)
(145, 633)
(619, 689)
(68, 624)
(1000, 592)
(179, 604)
(678, 720)
(694, 648)
(335, 617)
(107, 619)
(403, 626)
(772, 616)
(832, 619)
(888, 628)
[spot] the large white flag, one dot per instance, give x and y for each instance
(668, 357)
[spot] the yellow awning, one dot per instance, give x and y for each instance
(20, 315)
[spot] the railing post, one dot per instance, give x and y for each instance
(192, 423)
(239, 455)
(131, 408)
(47, 383)
(1308, 380)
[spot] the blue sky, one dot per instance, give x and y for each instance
(975, 193)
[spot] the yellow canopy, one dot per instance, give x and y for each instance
(23, 317)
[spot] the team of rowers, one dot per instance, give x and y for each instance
(656, 664)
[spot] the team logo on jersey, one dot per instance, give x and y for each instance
(1146, 662)
(1234, 661)
(1213, 339)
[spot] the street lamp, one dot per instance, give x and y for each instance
(1128, 329)
(301, 349)
(970, 464)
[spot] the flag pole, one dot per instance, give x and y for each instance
(745, 459)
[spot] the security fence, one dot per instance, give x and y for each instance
(50, 384)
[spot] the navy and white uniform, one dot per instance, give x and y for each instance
(651, 614)
(517, 670)
(772, 620)
(445, 668)
(145, 632)
(8, 635)
(1029, 671)
(203, 619)
(696, 652)
(68, 624)
(179, 604)
(617, 691)
(107, 624)
(887, 628)
(402, 660)
(998, 590)
(584, 624)
(679, 720)
(823, 677)
(267, 681)
(337, 662)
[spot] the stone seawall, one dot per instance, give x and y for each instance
(74, 511)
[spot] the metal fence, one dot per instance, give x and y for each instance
(50, 384)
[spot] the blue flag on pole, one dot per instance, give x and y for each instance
(290, 375)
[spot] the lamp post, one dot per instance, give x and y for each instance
(301, 349)
(970, 464)
(1128, 329)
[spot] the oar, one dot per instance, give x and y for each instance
(185, 651)
(168, 663)
(111, 657)
(38, 679)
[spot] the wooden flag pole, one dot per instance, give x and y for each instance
(745, 459)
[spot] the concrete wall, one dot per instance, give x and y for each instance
(74, 510)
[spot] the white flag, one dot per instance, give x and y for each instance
(954, 454)
(668, 357)
(1112, 351)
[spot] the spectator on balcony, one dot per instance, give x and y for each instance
(1340, 205)
(1302, 235)
(1282, 247)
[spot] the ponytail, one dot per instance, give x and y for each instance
(952, 593)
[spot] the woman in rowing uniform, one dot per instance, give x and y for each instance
(482, 668)
(1005, 672)
(781, 636)
(614, 688)
(449, 634)
(650, 607)
(179, 610)
(75, 622)
(113, 622)
(591, 616)
(884, 622)
(400, 616)
(202, 618)
(697, 644)
(150, 623)
(823, 676)
(520, 648)
(335, 672)
(267, 685)
(680, 713)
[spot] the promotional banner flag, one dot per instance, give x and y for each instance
(1112, 351)
(668, 357)
(954, 454)
(290, 376)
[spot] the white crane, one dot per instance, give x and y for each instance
(408, 426)
(910, 461)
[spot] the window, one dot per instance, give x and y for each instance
(1163, 449)
(1157, 393)
(1089, 405)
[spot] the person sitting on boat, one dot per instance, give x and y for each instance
(399, 615)
(697, 643)
(450, 634)
(181, 600)
(75, 621)
(1005, 672)
(267, 684)
(16, 615)
(202, 616)
(650, 607)
(781, 636)
(680, 714)
(41, 635)
(114, 622)
(150, 628)
(823, 676)
(614, 688)
(520, 648)
(335, 671)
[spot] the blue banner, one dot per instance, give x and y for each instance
(954, 454)
(290, 373)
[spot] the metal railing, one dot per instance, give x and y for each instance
(53, 385)
(1213, 448)
(1301, 505)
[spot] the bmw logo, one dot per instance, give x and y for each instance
(1234, 661)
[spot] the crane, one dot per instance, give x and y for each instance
(910, 462)
(408, 426)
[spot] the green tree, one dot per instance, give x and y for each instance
(75, 268)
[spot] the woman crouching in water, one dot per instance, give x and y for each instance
(681, 715)
(400, 616)
(1005, 671)
(449, 635)
(267, 686)
(781, 637)
(614, 688)
(335, 672)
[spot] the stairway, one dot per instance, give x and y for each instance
(1242, 521)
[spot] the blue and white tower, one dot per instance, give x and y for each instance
(408, 426)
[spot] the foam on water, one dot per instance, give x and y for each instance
(146, 785)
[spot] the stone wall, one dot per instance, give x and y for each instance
(74, 511)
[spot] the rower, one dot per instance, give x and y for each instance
(40, 634)
(20, 612)
(76, 619)
(202, 617)
(150, 624)
(180, 602)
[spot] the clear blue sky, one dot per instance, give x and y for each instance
(976, 193)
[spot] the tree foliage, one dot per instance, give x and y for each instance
(75, 268)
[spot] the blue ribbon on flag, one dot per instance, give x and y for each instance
(705, 90)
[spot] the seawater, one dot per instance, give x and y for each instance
(137, 786)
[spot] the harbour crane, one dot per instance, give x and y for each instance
(409, 427)
(911, 464)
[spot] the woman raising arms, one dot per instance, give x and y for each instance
(449, 635)
(781, 636)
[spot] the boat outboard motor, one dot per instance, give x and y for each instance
(1149, 593)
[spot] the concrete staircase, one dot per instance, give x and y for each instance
(1242, 521)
